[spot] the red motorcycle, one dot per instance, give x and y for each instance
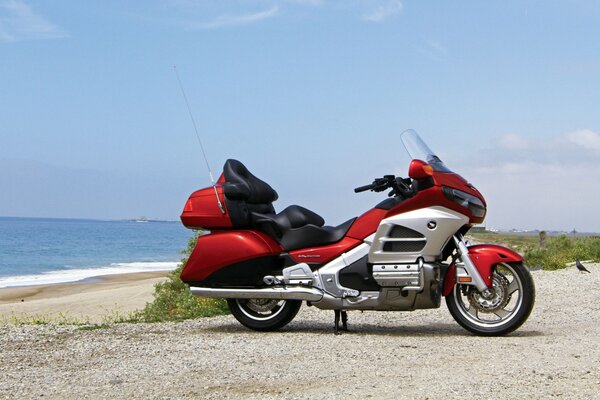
(403, 254)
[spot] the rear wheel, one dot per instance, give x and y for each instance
(501, 310)
(264, 314)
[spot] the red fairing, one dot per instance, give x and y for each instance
(435, 196)
(458, 182)
(324, 254)
(202, 210)
(220, 249)
(366, 224)
(426, 198)
(484, 256)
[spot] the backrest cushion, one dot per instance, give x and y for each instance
(259, 191)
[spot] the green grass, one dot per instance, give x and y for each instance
(41, 319)
(173, 300)
(554, 254)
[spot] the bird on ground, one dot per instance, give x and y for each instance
(580, 266)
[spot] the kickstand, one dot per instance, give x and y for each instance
(344, 315)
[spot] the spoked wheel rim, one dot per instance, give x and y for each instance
(261, 309)
(495, 308)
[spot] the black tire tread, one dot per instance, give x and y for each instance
(522, 314)
(290, 309)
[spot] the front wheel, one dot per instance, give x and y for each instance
(503, 309)
(264, 314)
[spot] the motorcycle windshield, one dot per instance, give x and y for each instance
(418, 150)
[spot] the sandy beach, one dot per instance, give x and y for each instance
(91, 300)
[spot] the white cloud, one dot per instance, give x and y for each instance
(544, 183)
(432, 49)
(18, 22)
(308, 2)
(243, 19)
(512, 141)
(195, 14)
(584, 138)
(510, 168)
(437, 46)
(531, 195)
(575, 147)
(389, 8)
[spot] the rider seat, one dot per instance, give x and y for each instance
(250, 204)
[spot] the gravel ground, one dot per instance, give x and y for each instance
(418, 355)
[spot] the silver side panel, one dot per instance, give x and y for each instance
(447, 222)
(328, 276)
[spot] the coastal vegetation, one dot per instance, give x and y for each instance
(543, 251)
(174, 302)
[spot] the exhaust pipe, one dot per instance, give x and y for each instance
(289, 293)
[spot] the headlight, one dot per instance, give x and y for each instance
(466, 200)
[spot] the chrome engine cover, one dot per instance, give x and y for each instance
(397, 275)
(427, 294)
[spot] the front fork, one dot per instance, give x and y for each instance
(466, 271)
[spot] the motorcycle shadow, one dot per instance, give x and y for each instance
(366, 329)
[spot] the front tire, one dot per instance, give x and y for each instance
(505, 309)
(264, 314)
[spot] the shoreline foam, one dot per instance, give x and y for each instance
(83, 274)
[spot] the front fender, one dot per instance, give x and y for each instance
(484, 256)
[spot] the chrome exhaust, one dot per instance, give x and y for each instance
(284, 293)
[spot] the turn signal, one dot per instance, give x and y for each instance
(419, 170)
(464, 279)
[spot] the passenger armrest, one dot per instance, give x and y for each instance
(265, 221)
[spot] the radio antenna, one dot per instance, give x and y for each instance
(210, 174)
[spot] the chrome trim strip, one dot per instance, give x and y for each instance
(285, 293)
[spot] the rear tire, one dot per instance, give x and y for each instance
(509, 306)
(264, 314)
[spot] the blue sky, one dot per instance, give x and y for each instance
(310, 94)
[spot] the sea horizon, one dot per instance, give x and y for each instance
(39, 251)
(510, 231)
(91, 219)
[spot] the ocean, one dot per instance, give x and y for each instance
(35, 251)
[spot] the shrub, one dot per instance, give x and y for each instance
(561, 250)
(173, 300)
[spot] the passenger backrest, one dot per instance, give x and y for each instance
(245, 193)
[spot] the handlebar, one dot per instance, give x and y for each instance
(399, 186)
(363, 188)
